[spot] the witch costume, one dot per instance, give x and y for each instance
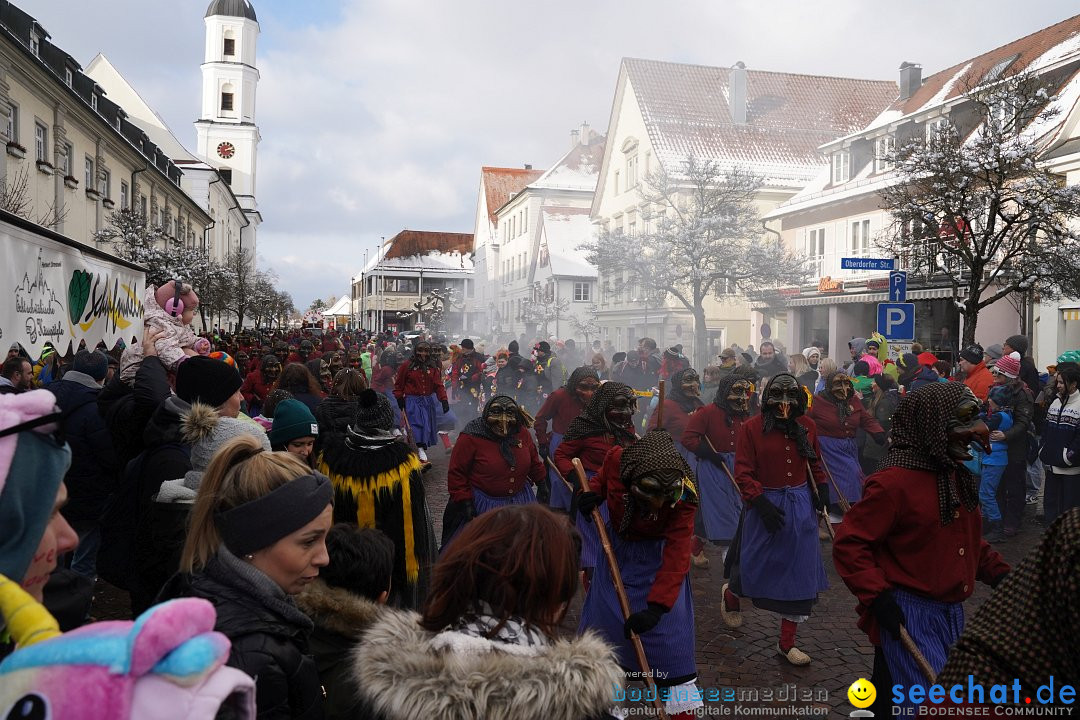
(560, 409)
(710, 436)
(777, 559)
(912, 548)
(494, 463)
(418, 385)
(680, 404)
(652, 498)
(378, 484)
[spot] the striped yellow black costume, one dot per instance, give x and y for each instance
(378, 484)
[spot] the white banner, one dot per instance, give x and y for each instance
(53, 292)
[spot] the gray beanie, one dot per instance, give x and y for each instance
(95, 364)
(995, 351)
(373, 411)
(207, 431)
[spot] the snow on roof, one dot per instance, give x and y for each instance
(578, 169)
(424, 249)
(342, 307)
(788, 116)
(500, 184)
(564, 230)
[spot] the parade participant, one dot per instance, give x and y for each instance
(418, 384)
(651, 497)
(382, 379)
(683, 399)
(777, 559)
(838, 413)
(550, 373)
(606, 421)
(488, 643)
(467, 379)
(710, 436)
(870, 357)
(294, 429)
(911, 550)
(378, 483)
(493, 463)
(560, 409)
(301, 384)
(337, 410)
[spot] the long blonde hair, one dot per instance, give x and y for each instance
(827, 366)
(239, 472)
(800, 364)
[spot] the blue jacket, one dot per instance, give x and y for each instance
(999, 450)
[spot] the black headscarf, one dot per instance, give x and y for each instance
(791, 428)
(688, 403)
(843, 407)
(414, 360)
(591, 421)
(478, 427)
(720, 399)
(578, 375)
(920, 441)
(654, 452)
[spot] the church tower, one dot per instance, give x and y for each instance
(227, 134)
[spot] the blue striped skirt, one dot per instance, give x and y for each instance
(720, 504)
(483, 502)
(560, 495)
(934, 626)
(590, 539)
(669, 647)
(841, 455)
(785, 565)
(394, 406)
(421, 413)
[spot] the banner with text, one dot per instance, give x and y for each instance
(50, 292)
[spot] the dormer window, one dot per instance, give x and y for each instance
(35, 43)
(69, 77)
(884, 147)
(841, 167)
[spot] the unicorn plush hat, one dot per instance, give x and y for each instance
(166, 664)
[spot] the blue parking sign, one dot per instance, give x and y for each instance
(896, 321)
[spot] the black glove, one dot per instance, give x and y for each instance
(401, 402)
(879, 438)
(544, 450)
(543, 492)
(445, 407)
(821, 499)
(468, 510)
(887, 613)
(771, 516)
(707, 453)
(588, 501)
(643, 620)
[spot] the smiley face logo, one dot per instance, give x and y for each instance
(862, 693)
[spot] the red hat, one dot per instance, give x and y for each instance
(1009, 365)
(928, 359)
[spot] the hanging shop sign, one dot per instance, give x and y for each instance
(828, 285)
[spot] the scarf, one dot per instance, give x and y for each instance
(478, 427)
(234, 572)
(592, 420)
(687, 403)
(482, 622)
(920, 441)
(843, 408)
(791, 428)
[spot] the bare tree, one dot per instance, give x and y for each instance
(702, 232)
(241, 267)
(586, 324)
(974, 206)
(15, 198)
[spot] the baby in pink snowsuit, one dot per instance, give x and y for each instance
(164, 310)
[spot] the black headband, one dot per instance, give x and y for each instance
(261, 523)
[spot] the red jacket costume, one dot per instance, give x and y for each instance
(477, 463)
(894, 536)
(675, 525)
(711, 422)
(560, 408)
(468, 371)
(826, 417)
(411, 381)
(255, 389)
(590, 450)
(770, 460)
(675, 419)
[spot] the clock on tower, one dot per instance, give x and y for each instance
(226, 150)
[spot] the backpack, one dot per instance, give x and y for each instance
(120, 522)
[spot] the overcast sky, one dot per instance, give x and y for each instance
(377, 115)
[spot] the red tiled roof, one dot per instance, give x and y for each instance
(409, 243)
(1024, 51)
(502, 183)
(686, 110)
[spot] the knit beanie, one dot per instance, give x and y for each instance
(1009, 365)
(995, 351)
(95, 364)
(1000, 395)
(32, 466)
(292, 420)
(973, 354)
(206, 431)
(908, 361)
(513, 346)
(1019, 343)
(543, 346)
(373, 411)
(205, 380)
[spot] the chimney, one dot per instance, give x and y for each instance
(528, 166)
(910, 79)
(586, 133)
(737, 93)
(575, 138)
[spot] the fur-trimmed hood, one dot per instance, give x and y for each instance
(338, 610)
(404, 671)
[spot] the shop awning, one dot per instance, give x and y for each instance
(870, 297)
(1071, 314)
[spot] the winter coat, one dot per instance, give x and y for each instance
(979, 380)
(1061, 437)
(255, 389)
(773, 367)
(883, 411)
(127, 408)
(826, 416)
(477, 463)
(266, 644)
(1020, 436)
(94, 473)
(404, 672)
(414, 381)
(915, 380)
(340, 618)
(335, 414)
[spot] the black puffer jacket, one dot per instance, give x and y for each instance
(127, 410)
(266, 645)
(335, 413)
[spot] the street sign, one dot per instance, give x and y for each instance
(861, 263)
(898, 286)
(896, 321)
